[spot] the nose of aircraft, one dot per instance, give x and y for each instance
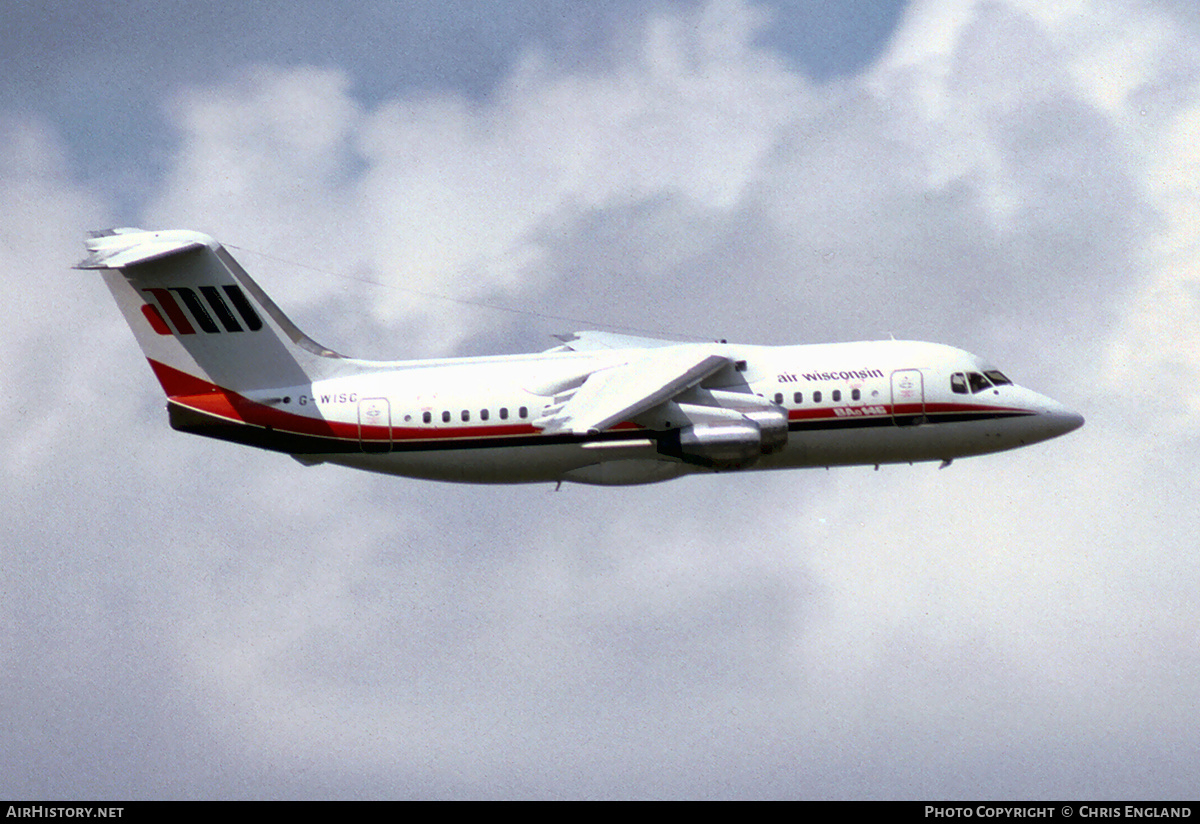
(1064, 420)
(1054, 419)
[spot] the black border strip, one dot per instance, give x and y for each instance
(186, 419)
(871, 421)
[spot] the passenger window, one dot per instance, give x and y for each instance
(446, 417)
(483, 414)
(816, 397)
(837, 395)
(779, 398)
(427, 417)
(504, 413)
(466, 416)
(855, 394)
(523, 412)
(958, 383)
(798, 398)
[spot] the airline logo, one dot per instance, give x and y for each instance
(851, 375)
(186, 310)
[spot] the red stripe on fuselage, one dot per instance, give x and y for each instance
(203, 396)
(209, 398)
(827, 412)
(174, 382)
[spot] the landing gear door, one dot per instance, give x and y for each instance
(908, 397)
(375, 425)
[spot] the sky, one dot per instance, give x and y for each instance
(185, 618)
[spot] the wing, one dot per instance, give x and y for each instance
(593, 341)
(619, 393)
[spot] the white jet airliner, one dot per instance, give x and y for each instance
(600, 408)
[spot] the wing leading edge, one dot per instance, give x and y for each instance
(610, 396)
(593, 341)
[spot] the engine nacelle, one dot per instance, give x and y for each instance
(733, 433)
(772, 425)
(719, 446)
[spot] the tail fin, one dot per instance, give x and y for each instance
(198, 316)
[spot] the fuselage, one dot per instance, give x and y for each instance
(472, 419)
(602, 408)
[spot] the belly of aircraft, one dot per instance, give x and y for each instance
(639, 462)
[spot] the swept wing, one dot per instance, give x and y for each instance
(610, 396)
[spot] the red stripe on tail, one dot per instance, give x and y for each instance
(157, 323)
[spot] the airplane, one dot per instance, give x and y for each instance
(600, 408)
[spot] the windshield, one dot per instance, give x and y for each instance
(978, 382)
(962, 383)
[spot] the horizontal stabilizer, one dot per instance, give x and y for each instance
(119, 248)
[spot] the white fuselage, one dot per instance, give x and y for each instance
(471, 419)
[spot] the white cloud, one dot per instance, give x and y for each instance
(51, 309)
(465, 198)
(1155, 345)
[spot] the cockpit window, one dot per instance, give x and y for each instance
(978, 382)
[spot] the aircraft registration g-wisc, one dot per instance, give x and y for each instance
(600, 408)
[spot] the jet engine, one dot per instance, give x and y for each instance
(773, 424)
(729, 445)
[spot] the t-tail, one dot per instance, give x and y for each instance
(210, 333)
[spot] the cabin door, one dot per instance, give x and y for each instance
(375, 425)
(908, 397)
